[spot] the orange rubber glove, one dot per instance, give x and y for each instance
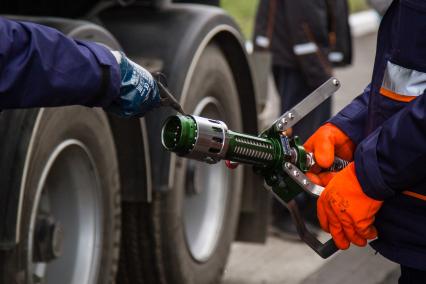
(325, 143)
(346, 212)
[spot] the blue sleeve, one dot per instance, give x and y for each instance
(41, 67)
(391, 159)
(352, 119)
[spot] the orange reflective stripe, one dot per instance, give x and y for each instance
(395, 96)
(415, 195)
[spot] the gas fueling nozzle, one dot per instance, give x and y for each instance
(280, 159)
(210, 140)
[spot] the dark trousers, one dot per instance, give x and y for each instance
(412, 276)
(292, 88)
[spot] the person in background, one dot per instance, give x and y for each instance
(306, 38)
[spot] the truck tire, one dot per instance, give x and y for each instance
(70, 214)
(184, 235)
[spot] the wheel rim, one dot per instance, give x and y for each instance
(69, 193)
(206, 195)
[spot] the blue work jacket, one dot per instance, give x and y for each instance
(388, 125)
(40, 67)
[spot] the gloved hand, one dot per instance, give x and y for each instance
(325, 143)
(346, 212)
(139, 92)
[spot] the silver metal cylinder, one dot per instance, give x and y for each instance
(211, 142)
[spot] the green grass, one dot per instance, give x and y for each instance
(357, 5)
(244, 12)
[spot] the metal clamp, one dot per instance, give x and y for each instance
(299, 177)
(322, 249)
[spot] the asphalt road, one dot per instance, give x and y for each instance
(286, 262)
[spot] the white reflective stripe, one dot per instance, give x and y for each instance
(404, 81)
(117, 55)
(262, 41)
(335, 56)
(305, 48)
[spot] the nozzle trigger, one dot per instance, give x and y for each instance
(167, 99)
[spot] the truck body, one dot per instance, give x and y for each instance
(86, 197)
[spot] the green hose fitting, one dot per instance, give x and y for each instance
(210, 141)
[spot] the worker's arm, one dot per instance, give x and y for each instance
(343, 208)
(391, 159)
(308, 25)
(352, 118)
(387, 162)
(39, 66)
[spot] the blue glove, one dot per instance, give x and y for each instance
(139, 92)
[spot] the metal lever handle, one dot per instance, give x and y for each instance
(322, 249)
(299, 177)
(311, 188)
(293, 116)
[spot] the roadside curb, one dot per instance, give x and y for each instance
(363, 23)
